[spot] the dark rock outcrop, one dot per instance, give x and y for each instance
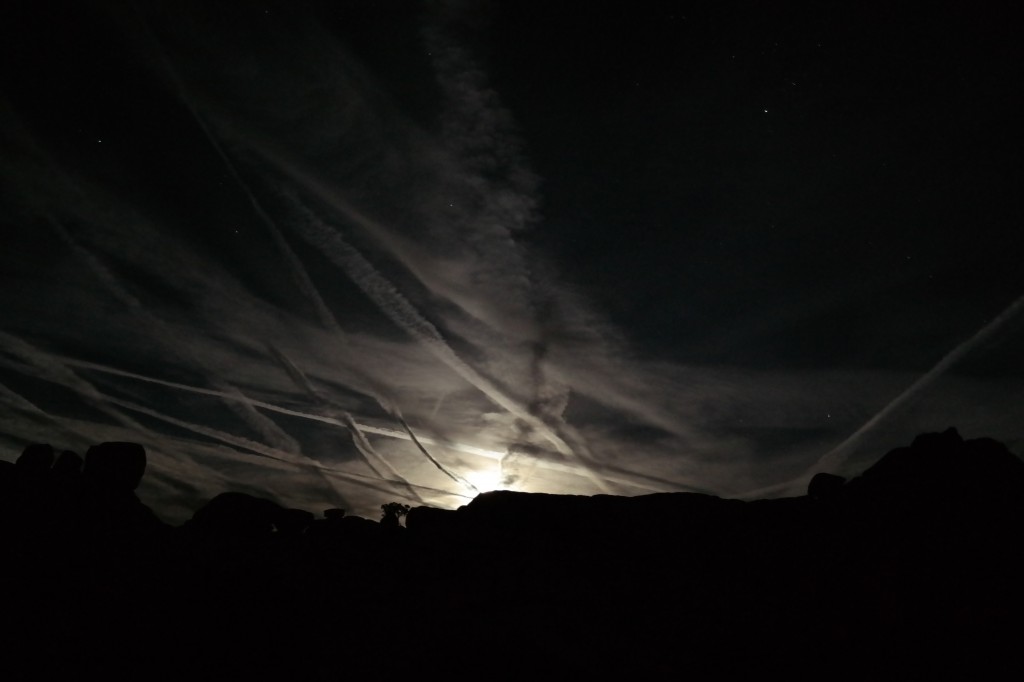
(825, 486)
(236, 515)
(115, 467)
(908, 571)
(35, 461)
(68, 466)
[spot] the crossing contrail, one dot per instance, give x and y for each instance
(380, 291)
(837, 455)
(614, 474)
(310, 291)
(400, 311)
(362, 445)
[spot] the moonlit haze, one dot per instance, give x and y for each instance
(342, 257)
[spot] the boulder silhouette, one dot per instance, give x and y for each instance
(334, 514)
(115, 467)
(35, 461)
(68, 466)
(943, 467)
(293, 521)
(895, 574)
(825, 486)
(238, 515)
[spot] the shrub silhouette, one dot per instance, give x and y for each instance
(392, 512)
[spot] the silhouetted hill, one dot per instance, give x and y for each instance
(909, 571)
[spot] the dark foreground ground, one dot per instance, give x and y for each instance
(911, 571)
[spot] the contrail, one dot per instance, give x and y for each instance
(837, 455)
(99, 269)
(458, 479)
(267, 428)
(302, 278)
(263, 424)
(398, 308)
(363, 445)
(308, 288)
(48, 368)
(259, 422)
(392, 303)
(52, 371)
(612, 473)
(237, 441)
(481, 134)
(373, 483)
(367, 428)
(363, 480)
(56, 372)
(21, 402)
(376, 287)
(45, 368)
(382, 292)
(70, 380)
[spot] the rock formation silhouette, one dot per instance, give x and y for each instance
(911, 570)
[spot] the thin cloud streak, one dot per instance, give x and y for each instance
(619, 475)
(837, 456)
(72, 381)
(398, 309)
(316, 260)
(363, 446)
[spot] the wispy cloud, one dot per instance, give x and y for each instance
(314, 294)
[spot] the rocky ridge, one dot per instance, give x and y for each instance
(908, 571)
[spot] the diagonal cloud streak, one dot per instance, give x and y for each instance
(397, 308)
(838, 455)
(612, 472)
(363, 446)
(309, 289)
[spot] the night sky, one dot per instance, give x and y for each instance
(347, 253)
